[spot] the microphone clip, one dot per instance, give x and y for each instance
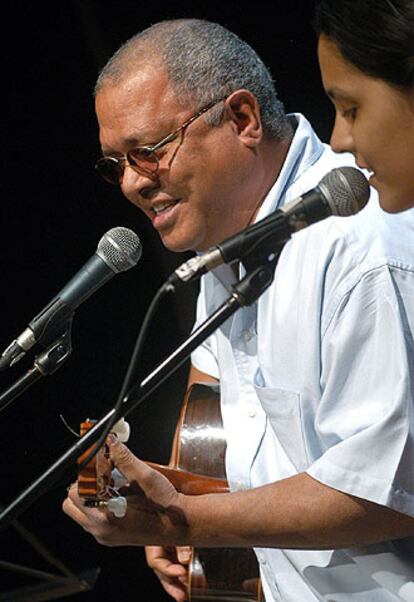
(42, 329)
(44, 364)
(58, 352)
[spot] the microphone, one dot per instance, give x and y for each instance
(342, 192)
(118, 250)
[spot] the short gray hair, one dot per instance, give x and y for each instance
(204, 62)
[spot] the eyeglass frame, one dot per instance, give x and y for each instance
(151, 150)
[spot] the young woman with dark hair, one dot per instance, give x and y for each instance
(366, 56)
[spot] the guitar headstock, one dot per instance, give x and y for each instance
(99, 483)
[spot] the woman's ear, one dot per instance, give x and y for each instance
(244, 111)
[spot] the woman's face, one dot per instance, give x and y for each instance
(375, 122)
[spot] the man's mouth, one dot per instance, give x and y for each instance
(163, 207)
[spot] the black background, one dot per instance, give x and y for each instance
(54, 211)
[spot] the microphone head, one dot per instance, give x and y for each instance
(120, 248)
(346, 189)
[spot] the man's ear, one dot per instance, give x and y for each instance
(244, 111)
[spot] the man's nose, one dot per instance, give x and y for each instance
(134, 183)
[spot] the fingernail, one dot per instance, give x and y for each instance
(184, 555)
(111, 439)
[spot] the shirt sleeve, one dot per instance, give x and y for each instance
(365, 417)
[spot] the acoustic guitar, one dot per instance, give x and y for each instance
(196, 467)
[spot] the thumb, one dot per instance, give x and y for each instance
(184, 554)
(124, 460)
(149, 481)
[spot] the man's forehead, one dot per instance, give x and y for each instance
(147, 87)
(137, 109)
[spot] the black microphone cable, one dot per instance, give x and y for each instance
(127, 382)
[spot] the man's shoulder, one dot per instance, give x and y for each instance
(340, 252)
(322, 165)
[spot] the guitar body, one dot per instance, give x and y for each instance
(222, 574)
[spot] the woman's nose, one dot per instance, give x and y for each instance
(341, 138)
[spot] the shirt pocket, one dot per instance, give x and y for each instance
(283, 411)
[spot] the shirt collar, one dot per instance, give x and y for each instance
(305, 149)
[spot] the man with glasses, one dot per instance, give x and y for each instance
(315, 377)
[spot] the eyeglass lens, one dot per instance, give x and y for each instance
(144, 159)
(112, 168)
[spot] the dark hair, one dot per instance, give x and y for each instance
(376, 36)
(204, 62)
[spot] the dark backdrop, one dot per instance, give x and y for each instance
(54, 211)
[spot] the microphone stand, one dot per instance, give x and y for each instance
(58, 580)
(44, 364)
(245, 292)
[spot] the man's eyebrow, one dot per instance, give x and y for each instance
(130, 141)
(109, 152)
(133, 142)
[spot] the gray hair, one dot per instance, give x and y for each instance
(204, 62)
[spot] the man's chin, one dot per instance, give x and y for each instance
(176, 245)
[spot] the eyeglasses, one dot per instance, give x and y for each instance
(145, 159)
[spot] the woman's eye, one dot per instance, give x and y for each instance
(350, 113)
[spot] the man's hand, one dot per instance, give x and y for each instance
(153, 513)
(170, 565)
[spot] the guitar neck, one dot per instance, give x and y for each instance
(189, 482)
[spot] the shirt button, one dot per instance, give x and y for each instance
(246, 335)
(251, 413)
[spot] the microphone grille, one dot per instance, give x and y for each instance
(347, 190)
(120, 248)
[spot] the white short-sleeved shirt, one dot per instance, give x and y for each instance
(317, 376)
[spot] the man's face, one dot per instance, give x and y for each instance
(204, 190)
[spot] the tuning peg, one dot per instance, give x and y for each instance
(118, 506)
(122, 430)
